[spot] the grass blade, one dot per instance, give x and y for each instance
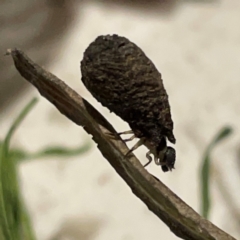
(59, 151)
(13, 224)
(205, 170)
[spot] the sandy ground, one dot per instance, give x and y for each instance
(196, 47)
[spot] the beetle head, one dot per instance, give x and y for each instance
(168, 161)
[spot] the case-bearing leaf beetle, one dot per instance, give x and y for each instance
(121, 77)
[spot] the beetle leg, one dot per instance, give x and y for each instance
(113, 135)
(129, 139)
(126, 132)
(156, 160)
(137, 145)
(149, 159)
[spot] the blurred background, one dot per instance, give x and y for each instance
(194, 44)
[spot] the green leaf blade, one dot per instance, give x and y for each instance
(205, 170)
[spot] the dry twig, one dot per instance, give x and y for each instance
(177, 215)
